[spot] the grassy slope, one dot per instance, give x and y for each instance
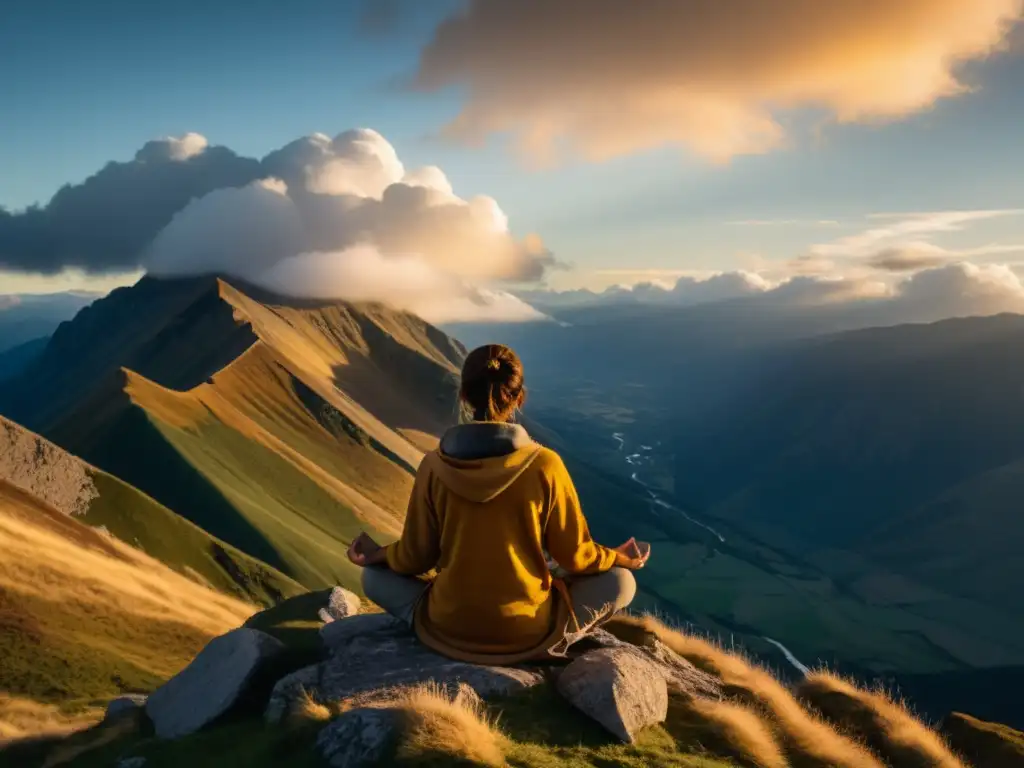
(137, 519)
(287, 451)
(761, 722)
(85, 617)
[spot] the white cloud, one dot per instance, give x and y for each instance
(960, 290)
(363, 274)
(907, 228)
(957, 289)
(173, 148)
(334, 208)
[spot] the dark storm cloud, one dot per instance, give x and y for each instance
(104, 223)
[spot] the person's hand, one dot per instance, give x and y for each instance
(632, 554)
(364, 551)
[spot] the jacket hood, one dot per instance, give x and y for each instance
(479, 461)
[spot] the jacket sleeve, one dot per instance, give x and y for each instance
(566, 535)
(419, 548)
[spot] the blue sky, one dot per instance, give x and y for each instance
(86, 83)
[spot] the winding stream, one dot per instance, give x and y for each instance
(636, 460)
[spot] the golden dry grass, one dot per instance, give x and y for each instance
(22, 718)
(883, 723)
(727, 728)
(39, 562)
(438, 724)
(809, 741)
(434, 723)
(82, 614)
(306, 710)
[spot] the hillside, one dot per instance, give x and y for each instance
(85, 617)
(97, 500)
(282, 427)
(367, 697)
(911, 438)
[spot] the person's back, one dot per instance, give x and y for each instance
(486, 509)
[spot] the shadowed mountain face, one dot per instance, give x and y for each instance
(281, 427)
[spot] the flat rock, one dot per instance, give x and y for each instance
(212, 683)
(337, 634)
(618, 688)
(369, 663)
(287, 691)
(124, 705)
(358, 737)
(342, 604)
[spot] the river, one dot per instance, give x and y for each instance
(637, 460)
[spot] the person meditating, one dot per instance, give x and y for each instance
(487, 508)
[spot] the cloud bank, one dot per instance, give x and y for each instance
(605, 79)
(338, 218)
(956, 289)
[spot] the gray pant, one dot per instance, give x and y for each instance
(595, 599)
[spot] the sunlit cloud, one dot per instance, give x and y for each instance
(600, 78)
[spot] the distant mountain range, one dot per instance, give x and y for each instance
(28, 317)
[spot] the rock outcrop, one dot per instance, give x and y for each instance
(340, 604)
(288, 690)
(124, 705)
(367, 663)
(214, 682)
(620, 689)
(358, 737)
(622, 686)
(337, 634)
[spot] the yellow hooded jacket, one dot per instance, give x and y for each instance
(485, 524)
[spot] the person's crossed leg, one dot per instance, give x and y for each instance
(595, 598)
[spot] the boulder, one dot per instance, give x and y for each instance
(680, 675)
(337, 634)
(358, 737)
(124, 705)
(618, 688)
(287, 690)
(366, 663)
(215, 680)
(341, 604)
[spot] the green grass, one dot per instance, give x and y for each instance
(308, 529)
(65, 653)
(137, 519)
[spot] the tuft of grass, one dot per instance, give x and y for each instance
(809, 741)
(437, 725)
(887, 727)
(725, 728)
(306, 711)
